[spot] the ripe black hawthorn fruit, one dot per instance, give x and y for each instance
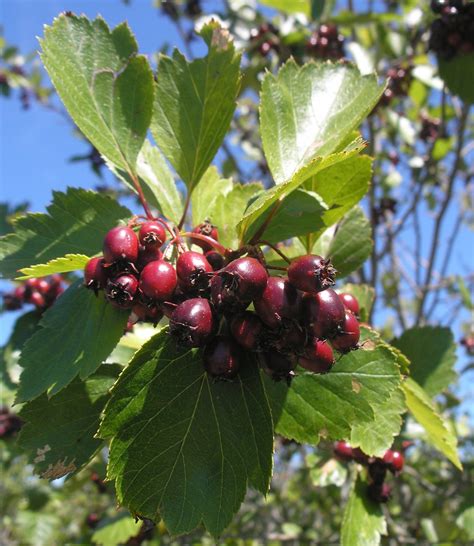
(95, 275)
(222, 358)
(121, 290)
(158, 280)
(349, 335)
(317, 357)
(350, 302)
(246, 329)
(152, 233)
(192, 322)
(245, 278)
(280, 300)
(311, 273)
(394, 461)
(343, 451)
(324, 313)
(193, 271)
(120, 243)
(206, 228)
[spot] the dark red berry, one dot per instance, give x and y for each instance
(95, 274)
(343, 451)
(394, 461)
(92, 520)
(280, 300)
(19, 292)
(350, 302)
(349, 335)
(121, 291)
(37, 300)
(144, 312)
(215, 259)
(224, 300)
(278, 366)
(324, 313)
(152, 233)
(246, 329)
(318, 357)
(311, 273)
(379, 492)
(207, 229)
(359, 456)
(120, 243)
(158, 280)
(192, 323)
(42, 286)
(147, 254)
(222, 358)
(193, 271)
(245, 278)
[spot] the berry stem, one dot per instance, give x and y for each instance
(276, 267)
(141, 196)
(199, 237)
(266, 223)
(185, 210)
(276, 249)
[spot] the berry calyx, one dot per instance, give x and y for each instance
(222, 358)
(280, 300)
(207, 229)
(193, 271)
(121, 291)
(311, 273)
(350, 303)
(158, 280)
(324, 313)
(95, 275)
(246, 329)
(192, 322)
(349, 335)
(318, 357)
(152, 233)
(394, 461)
(120, 243)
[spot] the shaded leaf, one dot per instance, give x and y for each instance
(290, 6)
(77, 334)
(69, 262)
(203, 200)
(116, 531)
(453, 73)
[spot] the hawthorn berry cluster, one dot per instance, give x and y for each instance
(398, 83)
(264, 38)
(392, 461)
(326, 43)
(41, 293)
(297, 319)
(452, 33)
(429, 131)
(10, 423)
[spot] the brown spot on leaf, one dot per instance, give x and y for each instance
(356, 386)
(58, 470)
(323, 433)
(220, 38)
(40, 454)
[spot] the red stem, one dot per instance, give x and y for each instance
(212, 242)
(141, 196)
(186, 206)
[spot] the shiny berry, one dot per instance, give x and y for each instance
(207, 229)
(192, 323)
(152, 233)
(222, 358)
(223, 299)
(37, 300)
(318, 357)
(324, 313)
(246, 329)
(311, 273)
(43, 286)
(279, 301)
(394, 461)
(19, 292)
(95, 274)
(158, 280)
(246, 278)
(193, 271)
(147, 254)
(343, 451)
(215, 259)
(120, 243)
(349, 335)
(350, 302)
(121, 290)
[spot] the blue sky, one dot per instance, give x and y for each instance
(35, 145)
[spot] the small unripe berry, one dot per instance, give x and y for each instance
(152, 233)
(121, 291)
(192, 323)
(318, 357)
(324, 313)
(349, 335)
(120, 243)
(95, 274)
(394, 461)
(311, 273)
(246, 329)
(350, 302)
(280, 300)
(193, 271)
(158, 280)
(222, 358)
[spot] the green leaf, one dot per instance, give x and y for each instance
(183, 446)
(376, 437)
(371, 338)
(453, 73)
(8, 213)
(332, 472)
(432, 353)
(70, 262)
(437, 432)
(195, 102)
(300, 213)
(76, 223)
(290, 6)
(77, 334)
(363, 522)
(329, 405)
(352, 243)
(279, 192)
(38, 528)
(203, 200)
(308, 112)
(116, 531)
(106, 88)
(58, 435)
(365, 295)
(466, 521)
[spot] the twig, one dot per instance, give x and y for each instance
(141, 196)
